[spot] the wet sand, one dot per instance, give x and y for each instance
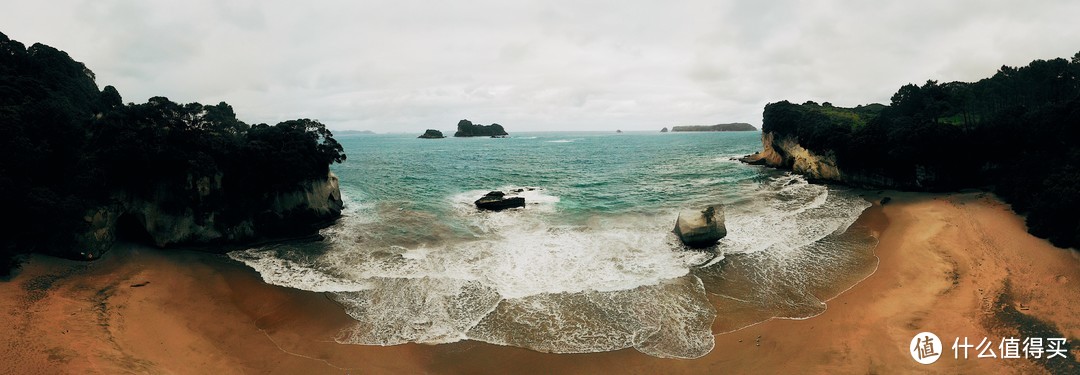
(957, 265)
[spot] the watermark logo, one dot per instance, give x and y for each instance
(1011, 347)
(925, 348)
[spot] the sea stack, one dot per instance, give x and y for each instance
(664, 130)
(498, 201)
(432, 134)
(466, 128)
(701, 228)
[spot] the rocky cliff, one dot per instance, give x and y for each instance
(202, 221)
(81, 169)
(1012, 133)
(784, 151)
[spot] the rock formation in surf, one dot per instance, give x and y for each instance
(701, 228)
(498, 201)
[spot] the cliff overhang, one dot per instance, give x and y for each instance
(300, 211)
(783, 151)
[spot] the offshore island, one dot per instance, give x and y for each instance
(733, 127)
(134, 181)
(466, 128)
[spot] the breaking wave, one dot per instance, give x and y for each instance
(533, 278)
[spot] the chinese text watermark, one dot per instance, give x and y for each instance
(926, 348)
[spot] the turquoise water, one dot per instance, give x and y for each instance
(592, 173)
(590, 264)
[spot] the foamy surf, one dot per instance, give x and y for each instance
(528, 277)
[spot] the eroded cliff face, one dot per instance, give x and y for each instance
(294, 212)
(785, 152)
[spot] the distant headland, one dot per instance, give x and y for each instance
(732, 127)
(354, 132)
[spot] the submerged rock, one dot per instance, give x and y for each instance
(756, 158)
(498, 201)
(701, 228)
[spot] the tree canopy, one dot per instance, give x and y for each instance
(1015, 133)
(66, 147)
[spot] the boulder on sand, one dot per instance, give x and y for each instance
(498, 201)
(701, 228)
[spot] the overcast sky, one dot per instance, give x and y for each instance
(545, 65)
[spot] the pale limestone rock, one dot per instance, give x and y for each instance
(701, 228)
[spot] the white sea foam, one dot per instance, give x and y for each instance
(520, 254)
(671, 319)
(278, 270)
(535, 199)
(522, 280)
(729, 158)
(787, 214)
(425, 310)
(789, 248)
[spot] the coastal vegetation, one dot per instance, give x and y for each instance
(733, 127)
(1014, 133)
(67, 148)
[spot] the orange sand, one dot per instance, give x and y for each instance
(944, 259)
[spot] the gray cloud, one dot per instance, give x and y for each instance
(411, 65)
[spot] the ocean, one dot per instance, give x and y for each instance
(590, 264)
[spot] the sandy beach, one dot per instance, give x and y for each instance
(959, 265)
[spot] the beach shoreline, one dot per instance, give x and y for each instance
(944, 263)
